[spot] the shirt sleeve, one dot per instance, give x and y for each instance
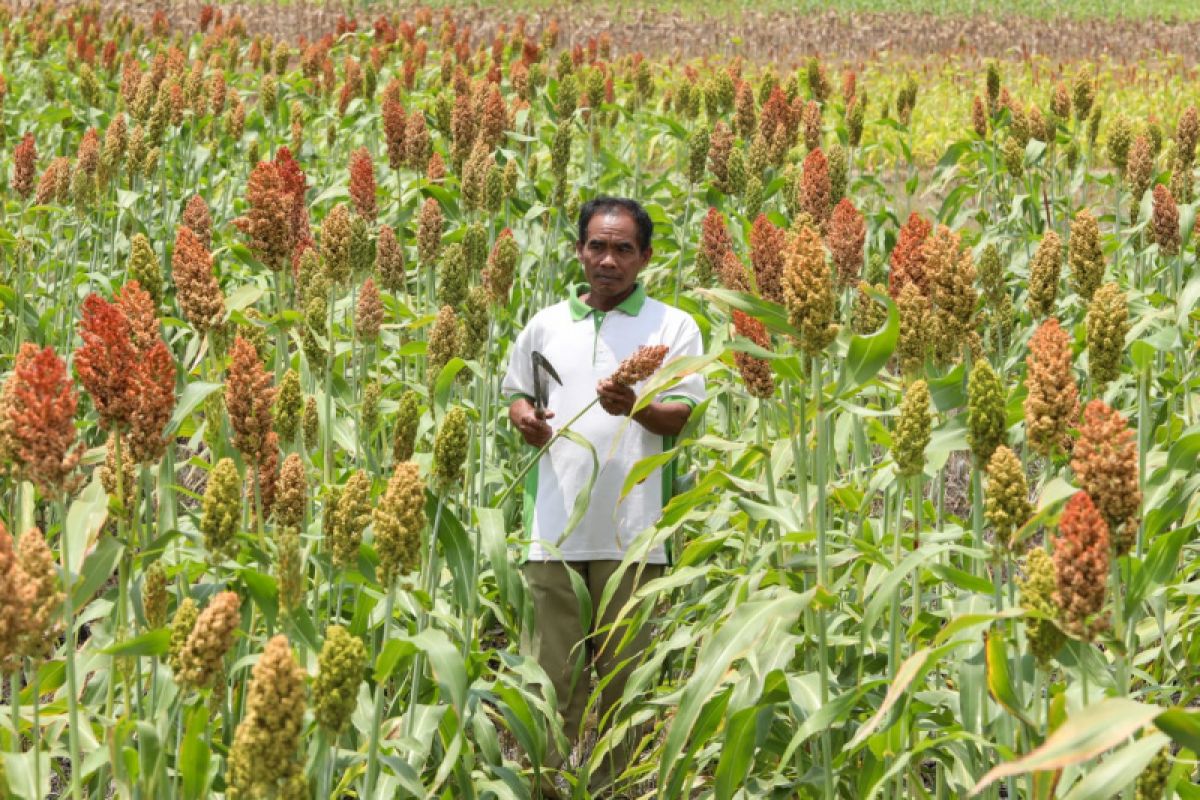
(518, 378)
(687, 342)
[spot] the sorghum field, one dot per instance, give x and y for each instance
(936, 528)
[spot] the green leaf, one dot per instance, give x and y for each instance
(866, 355)
(394, 651)
(584, 498)
(1119, 770)
(85, 518)
(264, 591)
(999, 677)
(904, 676)
(150, 643)
(98, 568)
(243, 297)
(671, 373)
(19, 770)
(193, 395)
(773, 315)
(456, 546)
(737, 753)
(445, 383)
(644, 469)
(1099, 727)
(447, 664)
(194, 754)
(1181, 725)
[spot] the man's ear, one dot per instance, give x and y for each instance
(647, 254)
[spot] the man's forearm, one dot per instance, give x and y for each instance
(664, 419)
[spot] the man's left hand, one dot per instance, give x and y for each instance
(615, 398)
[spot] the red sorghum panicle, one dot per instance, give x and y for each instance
(24, 166)
(808, 291)
(197, 217)
(756, 372)
(720, 144)
(42, 613)
(733, 273)
(201, 659)
(908, 256)
(267, 221)
(815, 191)
(154, 384)
(106, 361)
(265, 760)
(40, 407)
(196, 286)
(768, 243)
(1105, 461)
(847, 234)
(55, 182)
(640, 365)
(714, 244)
(139, 309)
(399, 520)
(368, 315)
(1081, 561)
(1052, 402)
(362, 183)
(1164, 224)
(248, 398)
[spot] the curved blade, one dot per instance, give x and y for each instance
(541, 389)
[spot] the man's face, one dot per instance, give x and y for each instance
(610, 255)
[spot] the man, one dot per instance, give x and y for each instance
(585, 338)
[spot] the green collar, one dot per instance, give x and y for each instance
(631, 305)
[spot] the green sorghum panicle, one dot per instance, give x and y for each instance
(450, 448)
(221, 509)
(312, 421)
(914, 343)
(181, 628)
(697, 155)
(369, 411)
(143, 267)
(265, 760)
(408, 418)
(335, 244)
(288, 408)
(1037, 594)
(1007, 507)
(202, 657)
(154, 595)
(445, 342)
(1014, 157)
(1107, 327)
(1086, 255)
(289, 568)
(475, 247)
(339, 673)
(1120, 138)
(868, 314)
(1152, 782)
(452, 277)
(351, 517)
(985, 417)
(475, 323)
(399, 521)
(1043, 275)
(912, 433)
(1083, 94)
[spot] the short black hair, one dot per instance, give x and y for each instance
(645, 227)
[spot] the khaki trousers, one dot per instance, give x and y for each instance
(557, 641)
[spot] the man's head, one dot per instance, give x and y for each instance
(613, 246)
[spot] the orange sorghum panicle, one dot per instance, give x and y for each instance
(847, 234)
(211, 637)
(767, 245)
(16, 594)
(1053, 396)
(106, 361)
(24, 165)
(756, 372)
(154, 381)
(1105, 461)
(714, 244)
(248, 397)
(908, 256)
(40, 407)
(362, 183)
(196, 288)
(1081, 561)
(267, 221)
(197, 217)
(639, 366)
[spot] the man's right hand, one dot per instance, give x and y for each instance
(525, 419)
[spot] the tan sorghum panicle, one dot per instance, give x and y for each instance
(24, 159)
(1120, 137)
(1087, 258)
(912, 433)
(43, 624)
(640, 365)
(292, 497)
(265, 759)
(733, 273)
(1052, 402)
(501, 267)
(1043, 275)
(1037, 594)
(399, 521)
(756, 372)
(350, 519)
(767, 245)
(1105, 461)
(196, 288)
(1007, 503)
(1164, 224)
(289, 568)
(340, 669)
(715, 244)
(201, 659)
(181, 628)
(914, 343)
(1107, 327)
(221, 509)
(1138, 173)
(951, 276)
(197, 217)
(368, 317)
(408, 418)
(453, 276)
(1187, 133)
(1081, 561)
(445, 342)
(868, 314)
(248, 398)
(154, 595)
(16, 594)
(475, 323)
(335, 244)
(450, 448)
(808, 291)
(389, 260)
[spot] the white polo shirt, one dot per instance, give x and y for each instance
(585, 345)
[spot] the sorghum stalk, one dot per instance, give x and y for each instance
(72, 682)
(818, 389)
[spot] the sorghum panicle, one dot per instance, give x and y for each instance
(389, 260)
(290, 573)
(1087, 258)
(951, 276)
(908, 256)
(40, 426)
(42, 616)
(106, 361)
(181, 628)
(640, 365)
(450, 448)
(350, 518)
(408, 418)
(201, 659)
(368, 317)
(154, 595)
(429, 232)
(453, 276)
(815, 188)
(288, 407)
(1052, 401)
(1007, 502)
(1138, 171)
(335, 244)
(445, 342)
(1164, 224)
(1105, 462)
(248, 398)
(501, 267)
(1037, 594)
(16, 594)
(292, 497)
(715, 242)
(1107, 326)
(340, 669)
(362, 183)
(399, 521)
(756, 372)
(1044, 274)
(196, 286)
(267, 221)
(1081, 560)
(808, 291)
(197, 217)
(912, 433)
(986, 401)
(915, 342)
(144, 268)
(847, 234)
(221, 509)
